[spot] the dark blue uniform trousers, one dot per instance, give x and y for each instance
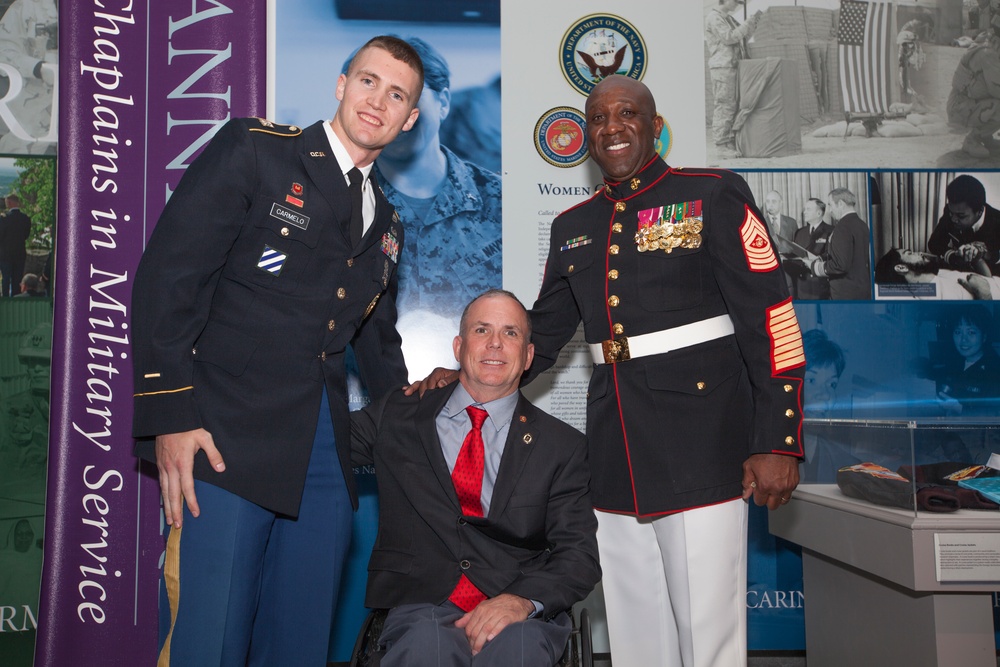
(244, 586)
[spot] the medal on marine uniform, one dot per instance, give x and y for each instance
(671, 226)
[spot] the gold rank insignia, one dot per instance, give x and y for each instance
(760, 254)
(277, 129)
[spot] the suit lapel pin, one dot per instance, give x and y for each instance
(527, 438)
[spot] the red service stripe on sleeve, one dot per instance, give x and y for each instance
(786, 337)
(756, 244)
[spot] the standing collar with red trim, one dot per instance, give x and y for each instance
(652, 173)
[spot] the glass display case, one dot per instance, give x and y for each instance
(890, 580)
(925, 451)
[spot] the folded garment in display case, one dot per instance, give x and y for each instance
(889, 577)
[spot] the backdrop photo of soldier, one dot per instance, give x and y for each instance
(802, 220)
(29, 58)
(451, 208)
(834, 82)
(442, 177)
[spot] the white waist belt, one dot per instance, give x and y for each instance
(659, 342)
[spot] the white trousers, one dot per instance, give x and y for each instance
(675, 587)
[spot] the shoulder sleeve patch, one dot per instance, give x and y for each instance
(277, 129)
(756, 244)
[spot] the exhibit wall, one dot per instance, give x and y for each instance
(870, 103)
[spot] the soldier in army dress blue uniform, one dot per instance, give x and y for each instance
(263, 267)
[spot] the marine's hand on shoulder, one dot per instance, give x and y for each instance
(175, 454)
(487, 620)
(439, 377)
(770, 479)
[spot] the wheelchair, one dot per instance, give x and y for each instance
(579, 649)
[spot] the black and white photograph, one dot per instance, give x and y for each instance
(793, 83)
(818, 222)
(29, 67)
(937, 236)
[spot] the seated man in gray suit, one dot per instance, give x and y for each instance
(486, 531)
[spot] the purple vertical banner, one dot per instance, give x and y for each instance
(144, 86)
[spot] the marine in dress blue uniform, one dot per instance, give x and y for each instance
(247, 295)
(698, 369)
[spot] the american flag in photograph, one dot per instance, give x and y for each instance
(865, 49)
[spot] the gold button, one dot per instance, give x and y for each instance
(330, 325)
(284, 231)
(701, 385)
(322, 356)
(350, 262)
(613, 274)
(620, 206)
(789, 440)
(788, 388)
(613, 250)
(616, 228)
(618, 329)
(613, 301)
(341, 293)
(571, 268)
(789, 413)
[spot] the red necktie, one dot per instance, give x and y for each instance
(467, 476)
